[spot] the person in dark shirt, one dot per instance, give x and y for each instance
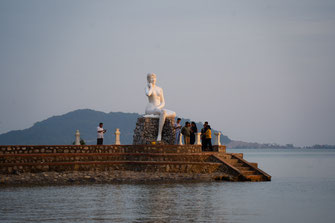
(186, 131)
(194, 130)
(203, 136)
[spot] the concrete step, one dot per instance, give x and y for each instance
(42, 149)
(248, 172)
(84, 157)
(255, 177)
(258, 175)
(243, 168)
(232, 161)
(238, 165)
(147, 166)
(111, 163)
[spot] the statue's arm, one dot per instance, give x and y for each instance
(148, 90)
(162, 100)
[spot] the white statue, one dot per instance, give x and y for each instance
(156, 103)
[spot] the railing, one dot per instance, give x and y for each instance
(198, 138)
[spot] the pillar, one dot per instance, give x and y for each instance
(77, 141)
(117, 137)
(180, 139)
(217, 138)
(197, 138)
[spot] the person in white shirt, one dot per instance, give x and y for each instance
(177, 127)
(101, 132)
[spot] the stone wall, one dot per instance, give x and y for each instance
(170, 158)
(103, 177)
(146, 131)
(47, 149)
(113, 163)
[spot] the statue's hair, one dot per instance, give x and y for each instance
(150, 74)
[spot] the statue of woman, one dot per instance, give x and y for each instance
(156, 103)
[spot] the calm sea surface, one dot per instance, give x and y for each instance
(302, 190)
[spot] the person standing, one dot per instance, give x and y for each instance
(203, 136)
(194, 130)
(101, 131)
(186, 131)
(209, 138)
(177, 127)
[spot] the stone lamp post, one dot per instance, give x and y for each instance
(117, 137)
(217, 138)
(197, 138)
(181, 139)
(77, 141)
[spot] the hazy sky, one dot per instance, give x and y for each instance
(259, 71)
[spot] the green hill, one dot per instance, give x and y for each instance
(60, 130)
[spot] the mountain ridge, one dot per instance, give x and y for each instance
(60, 129)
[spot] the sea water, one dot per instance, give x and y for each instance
(302, 190)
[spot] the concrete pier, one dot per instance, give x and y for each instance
(152, 162)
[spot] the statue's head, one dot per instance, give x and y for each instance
(151, 77)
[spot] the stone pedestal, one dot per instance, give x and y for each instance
(77, 141)
(180, 141)
(117, 137)
(146, 131)
(197, 138)
(217, 138)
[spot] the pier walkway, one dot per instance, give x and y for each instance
(155, 159)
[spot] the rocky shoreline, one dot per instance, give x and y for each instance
(101, 177)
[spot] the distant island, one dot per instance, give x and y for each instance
(60, 130)
(247, 145)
